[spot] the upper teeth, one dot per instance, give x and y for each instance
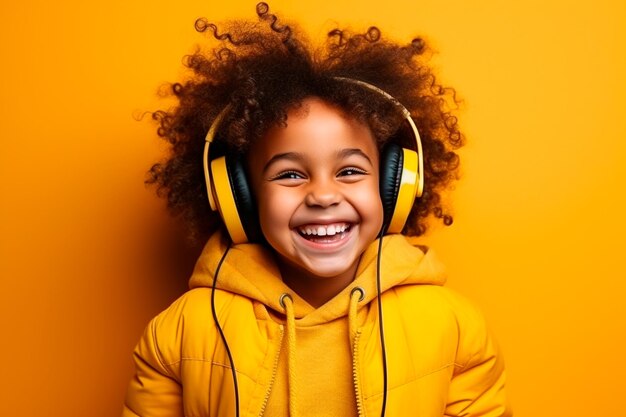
(324, 230)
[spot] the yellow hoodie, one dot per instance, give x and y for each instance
(294, 360)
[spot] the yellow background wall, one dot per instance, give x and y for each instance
(87, 255)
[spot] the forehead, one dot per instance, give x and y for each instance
(316, 127)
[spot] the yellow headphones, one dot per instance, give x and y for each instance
(401, 181)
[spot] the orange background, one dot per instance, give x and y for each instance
(87, 255)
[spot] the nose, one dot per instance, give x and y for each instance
(322, 194)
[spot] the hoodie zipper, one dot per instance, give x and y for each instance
(355, 377)
(274, 370)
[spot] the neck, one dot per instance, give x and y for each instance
(314, 289)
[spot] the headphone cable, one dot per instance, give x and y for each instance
(219, 329)
(381, 327)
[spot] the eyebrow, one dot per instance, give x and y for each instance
(290, 156)
(344, 153)
(298, 157)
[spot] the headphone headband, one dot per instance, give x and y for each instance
(205, 157)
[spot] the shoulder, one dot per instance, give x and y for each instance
(438, 299)
(448, 310)
(195, 305)
(187, 326)
(190, 307)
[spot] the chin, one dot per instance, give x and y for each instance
(328, 270)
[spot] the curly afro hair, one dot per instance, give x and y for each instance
(263, 69)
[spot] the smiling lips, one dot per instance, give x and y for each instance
(325, 232)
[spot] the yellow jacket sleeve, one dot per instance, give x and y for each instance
(477, 388)
(154, 391)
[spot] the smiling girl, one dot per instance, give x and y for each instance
(308, 170)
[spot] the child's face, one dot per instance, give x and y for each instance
(317, 186)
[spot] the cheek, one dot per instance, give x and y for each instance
(368, 203)
(276, 206)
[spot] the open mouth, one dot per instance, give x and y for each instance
(324, 233)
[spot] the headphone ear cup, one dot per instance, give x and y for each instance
(244, 200)
(391, 163)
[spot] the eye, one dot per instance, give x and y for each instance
(351, 171)
(287, 175)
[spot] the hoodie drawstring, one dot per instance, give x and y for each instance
(287, 303)
(356, 295)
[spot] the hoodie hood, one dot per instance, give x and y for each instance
(250, 271)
